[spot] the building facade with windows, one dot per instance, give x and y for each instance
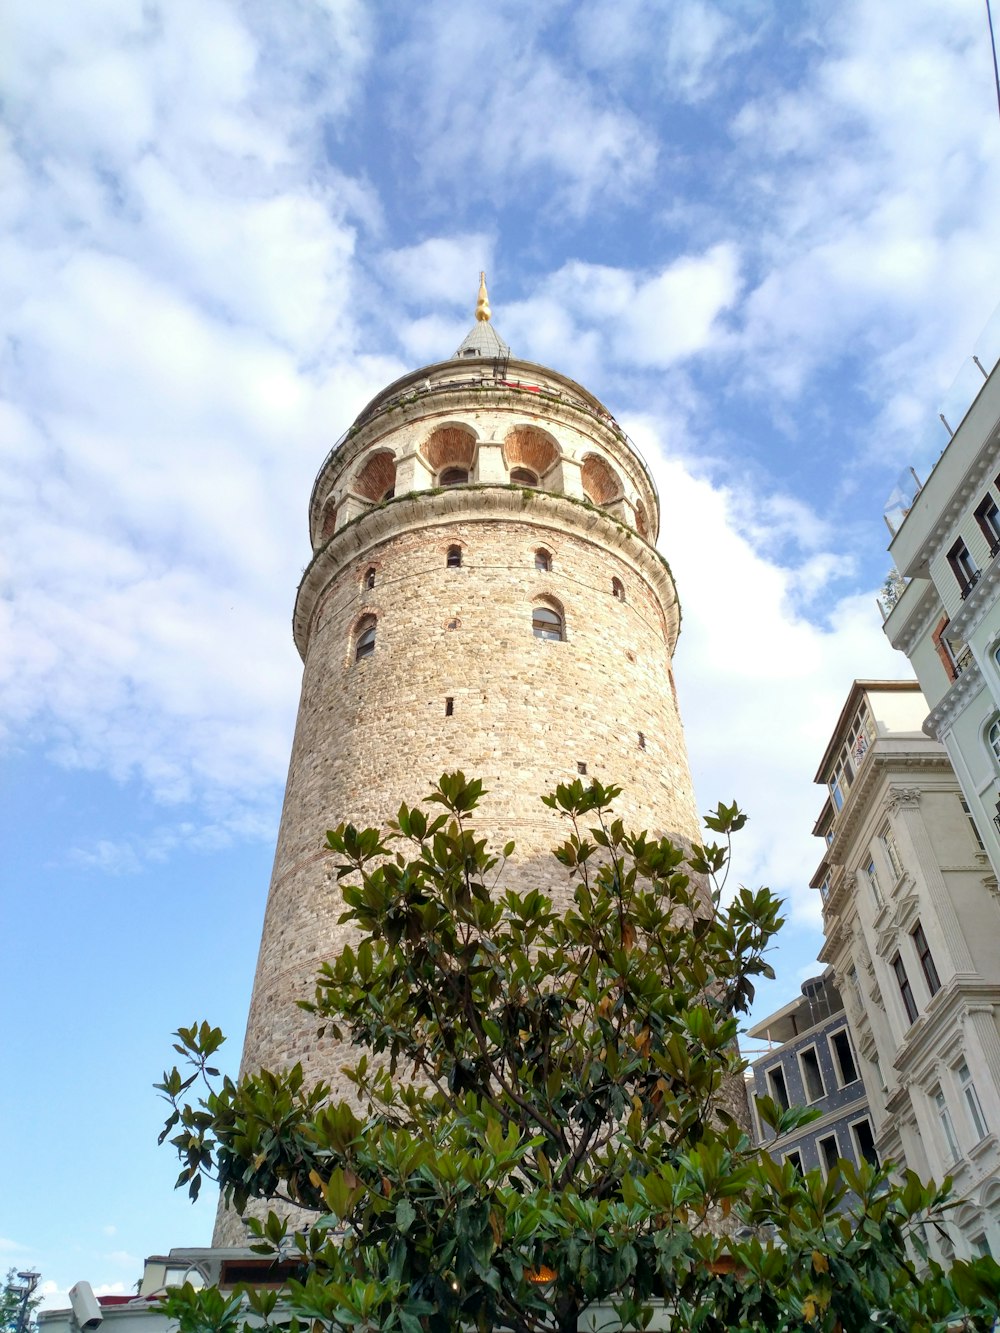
(944, 605)
(484, 594)
(911, 937)
(813, 1063)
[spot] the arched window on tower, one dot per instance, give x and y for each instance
(618, 590)
(523, 476)
(370, 578)
(453, 476)
(543, 560)
(364, 638)
(454, 559)
(547, 622)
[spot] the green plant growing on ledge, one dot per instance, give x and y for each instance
(550, 1110)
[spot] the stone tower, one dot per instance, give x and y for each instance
(484, 593)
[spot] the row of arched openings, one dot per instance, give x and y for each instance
(449, 452)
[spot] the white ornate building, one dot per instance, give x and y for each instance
(912, 921)
(944, 604)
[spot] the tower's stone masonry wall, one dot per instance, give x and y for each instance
(526, 713)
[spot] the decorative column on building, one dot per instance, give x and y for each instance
(484, 593)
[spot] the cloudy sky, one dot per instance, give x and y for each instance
(764, 234)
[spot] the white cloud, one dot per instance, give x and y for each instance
(681, 47)
(874, 207)
(760, 685)
(442, 270)
(497, 110)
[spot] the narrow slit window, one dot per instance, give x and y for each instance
(829, 1152)
(778, 1087)
(449, 706)
(454, 560)
(905, 989)
(618, 590)
(946, 1123)
(843, 1056)
(543, 561)
(972, 1105)
(926, 961)
(642, 740)
(865, 1141)
(364, 641)
(581, 768)
(812, 1075)
(370, 578)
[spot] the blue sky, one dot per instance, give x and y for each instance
(764, 234)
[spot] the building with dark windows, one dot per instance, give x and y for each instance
(912, 919)
(813, 1064)
(942, 606)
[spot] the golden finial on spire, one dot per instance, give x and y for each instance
(483, 310)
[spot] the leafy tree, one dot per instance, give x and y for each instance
(547, 1118)
(17, 1315)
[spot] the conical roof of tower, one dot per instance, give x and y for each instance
(483, 339)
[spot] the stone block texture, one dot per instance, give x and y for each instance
(457, 678)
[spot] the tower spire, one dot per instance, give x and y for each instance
(483, 311)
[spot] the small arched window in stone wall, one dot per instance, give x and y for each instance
(547, 621)
(618, 590)
(329, 526)
(530, 449)
(523, 476)
(601, 483)
(448, 449)
(641, 523)
(543, 560)
(453, 476)
(364, 638)
(454, 559)
(370, 578)
(377, 479)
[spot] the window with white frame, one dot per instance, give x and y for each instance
(877, 1066)
(926, 961)
(993, 739)
(778, 1087)
(905, 989)
(971, 1099)
(864, 1141)
(963, 567)
(843, 1057)
(829, 1152)
(841, 777)
(871, 875)
(859, 736)
(891, 851)
(988, 517)
(972, 823)
(812, 1075)
(946, 1123)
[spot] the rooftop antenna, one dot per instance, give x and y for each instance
(993, 48)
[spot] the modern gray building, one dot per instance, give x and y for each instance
(813, 1063)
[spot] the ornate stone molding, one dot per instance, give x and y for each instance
(942, 717)
(900, 797)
